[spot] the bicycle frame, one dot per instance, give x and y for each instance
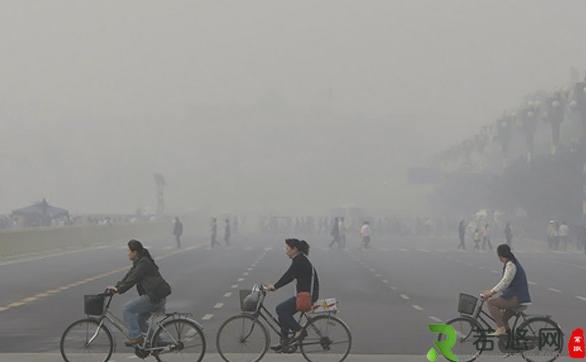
(120, 326)
(263, 313)
(481, 317)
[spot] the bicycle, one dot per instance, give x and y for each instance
(170, 336)
(528, 336)
(244, 337)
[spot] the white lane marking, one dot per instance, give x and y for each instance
(240, 279)
(248, 248)
(435, 319)
(415, 306)
(403, 249)
(234, 286)
(531, 283)
(481, 268)
(554, 290)
(393, 288)
(207, 317)
(165, 248)
(385, 281)
(228, 295)
(378, 276)
(15, 304)
(581, 298)
(494, 271)
(2, 309)
(245, 274)
(269, 249)
(250, 269)
(218, 305)
(404, 297)
(373, 270)
(423, 250)
(577, 266)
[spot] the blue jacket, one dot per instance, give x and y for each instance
(518, 287)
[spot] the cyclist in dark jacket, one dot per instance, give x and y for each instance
(304, 273)
(152, 290)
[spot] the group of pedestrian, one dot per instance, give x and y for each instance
(558, 235)
(178, 231)
(482, 235)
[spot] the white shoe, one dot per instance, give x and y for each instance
(498, 332)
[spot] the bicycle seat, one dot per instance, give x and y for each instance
(521, 308)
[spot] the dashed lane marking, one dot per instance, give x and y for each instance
(228, 295)
(531, 283)
(218, 305)
(415, 306)
(234, 286)
(581, 298)
(207, 317)
(554, 290)
(435, 319)
(405, 297)
(240, 279)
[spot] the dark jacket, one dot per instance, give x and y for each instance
(519, 287)
(301, 270)
(145, 275)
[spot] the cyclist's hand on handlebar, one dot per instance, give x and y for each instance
(269, 287)
(486, 294)
(112, 290)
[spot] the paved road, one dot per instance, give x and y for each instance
(388, 294)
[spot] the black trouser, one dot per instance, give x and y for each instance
(335, 240)
(286, 311)
(214, 240)
(462, 243)
(178, 240)
(486, 240)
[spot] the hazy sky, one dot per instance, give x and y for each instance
(280, 105)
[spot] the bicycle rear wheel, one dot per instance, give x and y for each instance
(471, 339)
(179, 340)
(242, 338)
(85, 340)
(540, 339)
(328, 340)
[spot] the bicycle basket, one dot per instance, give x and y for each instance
(467, 304)
(249, 300)
(93, 304)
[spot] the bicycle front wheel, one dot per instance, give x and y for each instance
(242, 338)
(540, 339)
(328, 340)
(471, 339)
(179, 340)
(86, 340)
